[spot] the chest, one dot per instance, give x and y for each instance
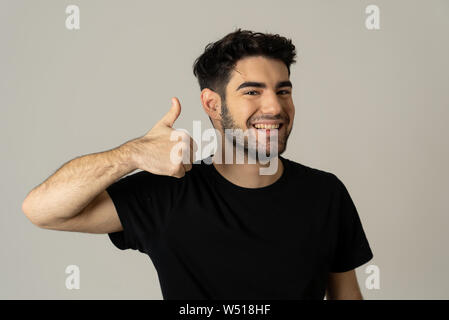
(253, 243)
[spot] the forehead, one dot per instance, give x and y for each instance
(259, 69)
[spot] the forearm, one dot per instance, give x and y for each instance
(354, 295)
(343, 286)
(73, 186)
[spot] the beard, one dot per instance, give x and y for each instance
(259, 144)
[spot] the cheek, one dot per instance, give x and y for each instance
(290, 110)
(291, 115)
(243, 113)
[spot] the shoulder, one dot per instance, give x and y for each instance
(310, 171)
(145, 179)
(312, 175)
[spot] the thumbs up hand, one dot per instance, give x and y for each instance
(153, 151)
(170, 117)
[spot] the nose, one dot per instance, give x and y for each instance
(271, 104)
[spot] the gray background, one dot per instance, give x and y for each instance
(371, 107)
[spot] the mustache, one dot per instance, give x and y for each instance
(284, 118)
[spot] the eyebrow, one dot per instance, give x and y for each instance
(263, 85)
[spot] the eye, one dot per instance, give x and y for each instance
(251, 92)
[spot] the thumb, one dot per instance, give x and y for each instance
(172, 114)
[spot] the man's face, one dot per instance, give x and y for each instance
(259, 99)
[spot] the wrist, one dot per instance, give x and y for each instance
(128, 156)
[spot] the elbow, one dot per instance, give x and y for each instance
(34, 218)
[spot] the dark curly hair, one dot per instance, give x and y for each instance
(213, 67)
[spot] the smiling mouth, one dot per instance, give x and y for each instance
(267, 126)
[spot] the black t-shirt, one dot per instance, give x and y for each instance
(211, 239)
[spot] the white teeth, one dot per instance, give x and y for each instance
(266, 126)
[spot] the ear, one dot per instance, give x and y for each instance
(211, 102)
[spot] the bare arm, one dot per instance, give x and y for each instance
(343, 286)
(56, 203)
(74, 197)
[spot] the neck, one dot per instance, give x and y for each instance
(248, 175)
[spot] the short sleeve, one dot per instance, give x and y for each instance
(352, 246)
(139, 200)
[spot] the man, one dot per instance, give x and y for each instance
(220, 230)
